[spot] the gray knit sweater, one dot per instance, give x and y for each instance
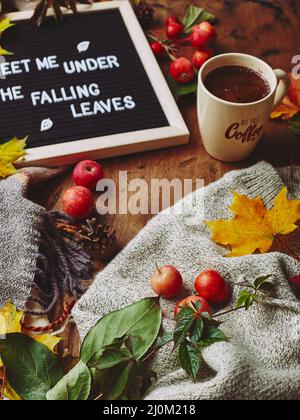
(20, 234)
(261, 361)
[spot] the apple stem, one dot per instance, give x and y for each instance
(157, 268)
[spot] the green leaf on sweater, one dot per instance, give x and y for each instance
(261, 281)
(212, 334)
(142, 319)
(185, 320)
(197, 329)
(190, 358)
(31, 368)
(75, 386)
(111, 357)
(117, 381)
(165, 339)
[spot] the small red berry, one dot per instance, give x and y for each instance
(172, 19)
(201, 56)
(209, 29)
(189, 302)
(157, 48)
(199, 39)
(182, 70)
(212, 287)
(166, 281)
(174, 30)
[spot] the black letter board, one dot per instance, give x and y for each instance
(89, 87)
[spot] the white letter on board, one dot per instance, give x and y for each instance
(112, 61)
(35, 96)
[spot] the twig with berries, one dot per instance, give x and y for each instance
(197, 326)
(194, 30)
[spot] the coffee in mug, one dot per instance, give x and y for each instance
(236, 95)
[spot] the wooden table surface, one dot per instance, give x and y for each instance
(267, 29)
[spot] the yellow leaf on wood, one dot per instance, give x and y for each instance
(254, 227)
(4, 25)
(11, 152)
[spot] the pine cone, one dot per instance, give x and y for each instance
(144, 12)
(98, 238)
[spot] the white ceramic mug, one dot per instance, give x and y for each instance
(230, 131)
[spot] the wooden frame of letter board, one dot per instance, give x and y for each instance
(125, 143)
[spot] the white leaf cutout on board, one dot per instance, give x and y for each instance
(83, 46)
(46, 125)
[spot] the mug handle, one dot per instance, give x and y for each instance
(284, 84)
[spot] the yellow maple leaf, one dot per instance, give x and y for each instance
(4, 25)
(11, 322)
(10, 319)
(11, 152)
(254, 227)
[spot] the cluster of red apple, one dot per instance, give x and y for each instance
(210, 286)
(78, 200)
(202, 36)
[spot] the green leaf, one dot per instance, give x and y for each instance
(249, 302)
(196, 305)
(111, 384)
(180, 90)
(197, 330)
(185, 320)
(186, 312)
(162, 341)
(243, 297)
(133, 344)
(294, 125)
(195, 15)
(260, 281)
(117, 381)
(142, 319)
(213, 335)
(109, 358)
(190, 357)
(75, 386)
(31, 368)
